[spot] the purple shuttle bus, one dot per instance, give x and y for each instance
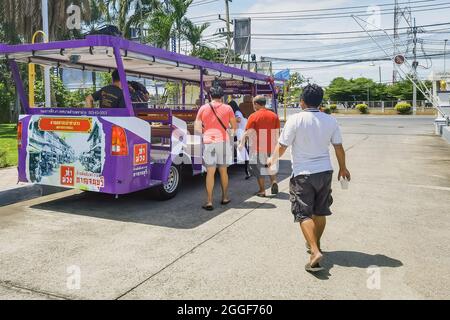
(121, 150)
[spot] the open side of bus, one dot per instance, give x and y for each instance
(122, 150)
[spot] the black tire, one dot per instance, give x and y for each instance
(171, 188)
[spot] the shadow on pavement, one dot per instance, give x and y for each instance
(354, 259)
(182, 212)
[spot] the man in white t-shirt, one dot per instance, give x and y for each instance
(309, 134)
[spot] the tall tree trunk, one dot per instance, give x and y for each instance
(123, 16)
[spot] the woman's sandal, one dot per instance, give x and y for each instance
(261, 195)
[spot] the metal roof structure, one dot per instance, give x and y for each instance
(106, 53)
(97, 53)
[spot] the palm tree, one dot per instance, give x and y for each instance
(179, 9)
(160, 27)
(194, 33)
(142, 10)
(126, 13)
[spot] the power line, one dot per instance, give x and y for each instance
(349, 60)
(196, 4)
(348, 14)
(313, 10)
(344, 32)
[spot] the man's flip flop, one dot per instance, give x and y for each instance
(208, 207)
(316, 268)
(224, 203)
(261, 195)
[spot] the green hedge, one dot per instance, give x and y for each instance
(326, 110)
(403, 108)
(363, 108)
(333, 108)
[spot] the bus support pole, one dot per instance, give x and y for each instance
(183, 94)
(19, 85)
(202, 88)
(123, 81)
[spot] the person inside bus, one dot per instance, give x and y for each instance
(246, 107)
(110, 96)
(139, 94)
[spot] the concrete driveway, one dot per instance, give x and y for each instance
(388, 238)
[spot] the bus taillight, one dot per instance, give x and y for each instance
(19, 134)
(119, 145)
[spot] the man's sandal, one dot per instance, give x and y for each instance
(313, 269)
(208, 207)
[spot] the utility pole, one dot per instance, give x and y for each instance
(45, 28)
(445, 57)
(415, 65)
(379, 73)
(399, 13)
(396, 37)
(227, 9)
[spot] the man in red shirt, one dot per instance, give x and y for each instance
(263, 130)
(216, 122)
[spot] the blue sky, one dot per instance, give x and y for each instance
(339, 48)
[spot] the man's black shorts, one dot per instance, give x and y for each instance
(311, 195)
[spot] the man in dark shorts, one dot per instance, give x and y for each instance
(110, 96)
(309, 134)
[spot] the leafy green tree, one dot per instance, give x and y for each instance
(341, 89)
(59, 92)
(294, 88)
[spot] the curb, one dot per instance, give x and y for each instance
(24, 193)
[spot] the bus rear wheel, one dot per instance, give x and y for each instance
(170, 189)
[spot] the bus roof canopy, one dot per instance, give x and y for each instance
(98, 53)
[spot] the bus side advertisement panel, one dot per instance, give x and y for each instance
(66, 152)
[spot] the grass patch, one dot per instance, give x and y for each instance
(8, 145)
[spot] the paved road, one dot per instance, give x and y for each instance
(9, 178)
(395, 216)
